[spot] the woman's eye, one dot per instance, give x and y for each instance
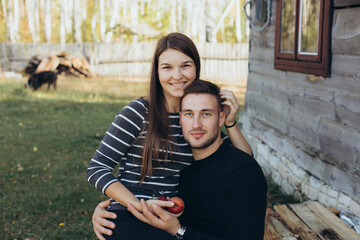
(186, 66)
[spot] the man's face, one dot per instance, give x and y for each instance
(200, 120)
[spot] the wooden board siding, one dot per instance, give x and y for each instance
(346, 31)
(345, 3)
(312, 121)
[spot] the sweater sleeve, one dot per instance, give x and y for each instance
(192, 234)
(116, 142)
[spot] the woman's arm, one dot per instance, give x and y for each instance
(231, 106)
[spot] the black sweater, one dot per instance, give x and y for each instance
(225, 196)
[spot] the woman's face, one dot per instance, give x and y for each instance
(176, 71)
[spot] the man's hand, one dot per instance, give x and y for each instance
(163, 204)
(164, 220)
(99, 220)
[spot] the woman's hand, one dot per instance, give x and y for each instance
(162, 219)
(99, 220)
(231, 106)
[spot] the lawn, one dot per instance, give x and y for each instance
(46, 141)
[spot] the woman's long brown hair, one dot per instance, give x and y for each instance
(158, 127)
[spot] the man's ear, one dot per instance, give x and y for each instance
(221, 119)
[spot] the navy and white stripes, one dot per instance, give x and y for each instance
(123, 146)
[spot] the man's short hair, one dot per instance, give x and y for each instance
(199, 86)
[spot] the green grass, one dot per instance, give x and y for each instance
(46, 141)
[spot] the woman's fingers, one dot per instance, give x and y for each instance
(229, 96)
(231, 105)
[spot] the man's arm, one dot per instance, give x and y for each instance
(167, 222)
(245, 204)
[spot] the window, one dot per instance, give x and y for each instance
(302, 36)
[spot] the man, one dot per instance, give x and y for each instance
(224, 190)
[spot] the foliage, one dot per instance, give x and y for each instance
(154, 13)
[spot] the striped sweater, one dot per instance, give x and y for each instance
(123, 146)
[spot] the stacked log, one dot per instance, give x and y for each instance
(62, 63)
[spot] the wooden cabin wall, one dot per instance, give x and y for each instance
(305, 130)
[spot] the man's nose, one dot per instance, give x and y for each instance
(197, 122)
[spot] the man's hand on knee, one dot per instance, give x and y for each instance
(99, 221)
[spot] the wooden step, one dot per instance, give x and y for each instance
(307, 221)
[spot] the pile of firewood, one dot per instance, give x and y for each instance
(61, 63)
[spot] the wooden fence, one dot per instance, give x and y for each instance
(225, 64)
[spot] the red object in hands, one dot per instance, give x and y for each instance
(161, 198)
(178, 207)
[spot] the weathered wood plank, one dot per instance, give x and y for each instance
(295, 224)
(346, 31)
(333, 221)
(315, 223)
(282, 230)
(345, 3)
(270, 232)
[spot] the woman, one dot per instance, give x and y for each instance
(146, 140)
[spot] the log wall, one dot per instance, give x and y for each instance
(305, 130)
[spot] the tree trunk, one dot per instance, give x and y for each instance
(114, 19)
(16, 20)
(211, 16)
(31, 20)
(238, 21)
(180, 7)
(62, 22)
(102, 20)
(94, 22)
(77, 21)
(4, 8)
(202, 21)
(37, 20)
(134, 17)
(69, 15)
(9, 23)
(48, 21)
(173, 25)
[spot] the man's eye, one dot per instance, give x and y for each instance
(207, 114)
(188, 114)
